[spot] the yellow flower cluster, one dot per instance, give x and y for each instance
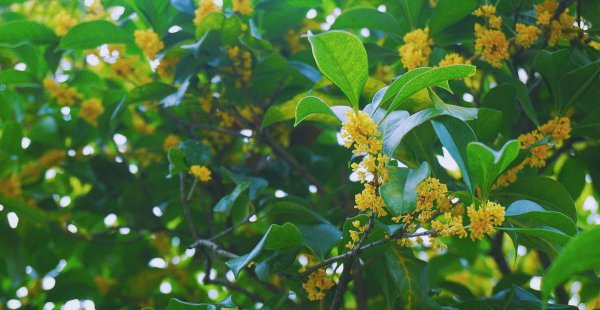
(243, 7)
(149, 42)
(416, 49)
(431, 195)
(526, 35)
(90, 110)
(63, 95)
(242, 65)
(205, 7)
(202, 173)
(559, 130)
(492, 43)
(452, 226)
(453, 59)
(171, 141)
(63, 22)
(11, 186)
(360, 132)
(484, 219)
(317, 283)
(355, 234)
(562, 28)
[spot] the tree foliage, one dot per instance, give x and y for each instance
(299, 154)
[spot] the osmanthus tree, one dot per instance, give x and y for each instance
(299, 154)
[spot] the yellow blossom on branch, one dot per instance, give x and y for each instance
(416, 49)
(202, 173)
(149, 42)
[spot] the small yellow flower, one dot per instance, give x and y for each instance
(243, 7)
(171, 141)
(205, 7)
(526, 35)
(10, 187)
(416, 49)
(64, 21)
(90, 110)
(484, 219)
(202, 173)
(149, 42)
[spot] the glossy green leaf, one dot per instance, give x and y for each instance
(486, 164)
(400, 192)
(342, 58)
(580, 254)
(276, 238)
(89, 35)
(455, 135)
(25, 31)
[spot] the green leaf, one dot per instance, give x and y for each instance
(176, 162)
(11, 138)
(342, 58)
(455, 135)
(25, 31)
(89, 35)
(317, 232)
(18, 78)
(356, 18)
(430, 78)
(543, 190)
(311, 106)
(448, 12)
(276, 238)
(486, 164)
(580, 254)
(150, 91)
(400, 192)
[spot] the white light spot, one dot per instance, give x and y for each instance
(312, 189)
(13, 220)
(535, 283)
(48, 283)
(175, 29)
(64, 201)
(312, 13)
(21, 66)
(22, 292)
(72, 228)
(72, 304)
(166, 287)
(110, 220)
(157, 211)
(382, 8)
(49, 306)
(590, 204)
(133, 169)
(229, 275)
(521, 250)
(280, 194)
(92, 60)
(246, 132)
(157, 262)
(365, 32)
(13, 304)
(253, 218)
(213, 294)
(124, 230)
(25, 142)
(447, 161)
(523, 77)
(468, 97)
(87, 150)
(303, 260)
